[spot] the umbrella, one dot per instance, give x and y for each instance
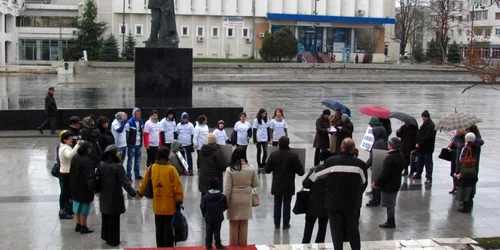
(334, 105)
(455, 121)
(406, 118)
(377, 111)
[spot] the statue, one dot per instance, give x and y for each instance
(163, 26)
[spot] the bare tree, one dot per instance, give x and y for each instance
(409, 18)
(442, 14)
(367, 40)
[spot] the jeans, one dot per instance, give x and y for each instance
(425, 160)
(123, 152)
(213, 232)
(340, 221)
(164, 232)
(151, 155)
(308, 229)
(278, 202)
(64, 197)
(110, 229)
(261, 147)
(188, 151)
(49, 120)
(134, 155)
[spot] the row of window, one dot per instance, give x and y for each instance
(46, 21)
(42, 49)
(200, 31)
(479, 32)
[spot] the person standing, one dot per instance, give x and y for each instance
(344, 130)
(466, 174)
(89, 135)
(321, 140)
(185, 130)
(479, 142)
(278, 127)
(426, 140)
(167, 196)
(378, 133)
(66, 153)
(244, 132)
(386, 123)
(120, 133)
(344, 174)
(213, 205)
(168, 128)
(239, 180)
(104, 135)
(456, 145)
(174, 159)
(134, 127)
(389, 181)
(261, 137)
(112, 181)
(81, 170)
(211, 164)
(221, 134)
(284, 165)
(50, 112)
(408, 135)
(74, 129)
(200, 135)
(152, 142)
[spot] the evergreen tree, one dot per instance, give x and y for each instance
(129, 53)
(110, 49)
(418, 53)
(453, 53)
(279, 46)
(434, 51)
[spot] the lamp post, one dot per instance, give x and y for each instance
(123, 30)
(253, 30)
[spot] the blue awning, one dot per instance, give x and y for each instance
(330, 19)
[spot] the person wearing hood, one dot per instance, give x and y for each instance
(50, 112)
(344, 130)
(261, 137)
(104, 135)
(74, 129)
(284, 165)
(200, 135)
(152, 130)
(278, 127)
(426, 140)
(134, 128)
(176, 157)
(375, 122)
(243, 132)
(168, 128)
(112, 181)
(89, 134)
(321, 140)
(120, 134)
(211, 164)
(386, 123)
(381, 144)
(408, 135)
(81, 171)
(221, 134)
(185, 131)
(389, 181)
(213, 204)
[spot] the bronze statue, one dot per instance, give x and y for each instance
(163, 26)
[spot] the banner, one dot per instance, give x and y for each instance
(233, 22)
(301, 152)
(368, 139)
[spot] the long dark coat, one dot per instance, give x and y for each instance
(284, 164)
(426, 137)
(211, 165)
(82, 169)
(50, 106)
(390, 179)
(408, 135)
(317, 195)
(322, 140)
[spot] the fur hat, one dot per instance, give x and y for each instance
(88, 122)
(212, 138)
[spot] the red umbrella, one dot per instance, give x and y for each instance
(377, 111)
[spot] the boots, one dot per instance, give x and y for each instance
(78, 228)
(86, 230)
(63, 215)
(390, 223)
(466, 207)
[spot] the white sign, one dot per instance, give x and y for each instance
(338, 47)
(233, 22)
(183, 161)
(368, 139)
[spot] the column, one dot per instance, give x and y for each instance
(353, 39)
(325, 29)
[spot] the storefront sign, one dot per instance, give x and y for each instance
(233, 22)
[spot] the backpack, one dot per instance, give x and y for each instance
(179, 226)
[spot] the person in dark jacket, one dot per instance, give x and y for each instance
(50, 112)
(389, 181)
(478, 142)
(284, 164)
(112, 179)
(74, 128)
(211, 164)
(89, 134)
(316, 209)
(408, 135)
(386, 123)
(375, 122)
(344, 130)
(135, 128)
(213, 205)
(378, 133)
(321, 139)
(467, 181)
(426, 140)
(456, 145)
(103, 134)
(82, 169)
(344, 174)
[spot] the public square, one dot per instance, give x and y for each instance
(29, 194)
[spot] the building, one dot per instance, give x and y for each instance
(230, 28)
(9, 9)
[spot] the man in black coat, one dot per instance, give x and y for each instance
(345, 177)
(426, 140)
(284, 164)
(81, 174)
(321, 139)
(89, 134)
(50, 112)
(408, 135)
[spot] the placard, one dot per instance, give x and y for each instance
(378, 163)
(301, 152)
(368, 139)
(182, 160)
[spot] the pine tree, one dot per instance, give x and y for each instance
(453, 53)
(279, 46)
(434, 52)
(418, 53)
(129, 53)
(110, 49)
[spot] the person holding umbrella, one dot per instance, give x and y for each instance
(321, 141)
(408, 134)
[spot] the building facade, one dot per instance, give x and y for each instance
(9, 9)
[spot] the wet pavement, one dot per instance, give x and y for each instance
(29, 194)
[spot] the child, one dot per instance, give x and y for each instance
(220, 132)
(213, 205)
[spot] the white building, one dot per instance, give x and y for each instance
(9, 9)
(318, 24)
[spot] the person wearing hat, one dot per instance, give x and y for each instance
(211, 164)
(321, 139)
(375, 122)
(74, 129)
(213, 204)
(426, 140)
(389, 181)
(467, 175)
(50, 112)
(89, 135)
(221, 134)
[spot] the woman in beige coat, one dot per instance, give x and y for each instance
(239, 180)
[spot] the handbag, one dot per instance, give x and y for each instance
(300, 206)
(446, 154)
(55, 170)
(468, 165)
(255, 198)
(148, 193)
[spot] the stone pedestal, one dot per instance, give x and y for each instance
(163, 77)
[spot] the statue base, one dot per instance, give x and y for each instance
(161, 44)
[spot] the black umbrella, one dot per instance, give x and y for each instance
(334, 105)
(406, 118)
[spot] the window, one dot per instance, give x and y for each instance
(185, 31)
(459, 32)
(497, 16)
(230, 32)
(215, 31)
(123, 29)
(200, 31)
(138, 29)
(480, 15)
(245, 33)
(45, 21)
(497, 32)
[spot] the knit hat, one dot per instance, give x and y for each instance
(87, 122)
(284, 142)
(374, 121)
(470, 137)
(426, 114)
(110, 148)
(327, 112)
(212, 138)
(395, 142)
(74, 119)
(213, 183)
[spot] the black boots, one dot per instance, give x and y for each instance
(85, 230)
(78, 227)
(390, 223)
(466, 207)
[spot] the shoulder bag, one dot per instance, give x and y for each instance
(55, 170)
(468, 165)
(255, 198)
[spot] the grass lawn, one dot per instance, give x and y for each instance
(489, 243)
(224, 60)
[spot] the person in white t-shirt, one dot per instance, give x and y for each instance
(261, 137)
(220, 132)
(243, 133)
(120, 134)
(278, 127)
(168, 128)
(201, 132)
(185, 131)
(152, 142)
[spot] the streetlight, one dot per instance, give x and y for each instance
(123, 30)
